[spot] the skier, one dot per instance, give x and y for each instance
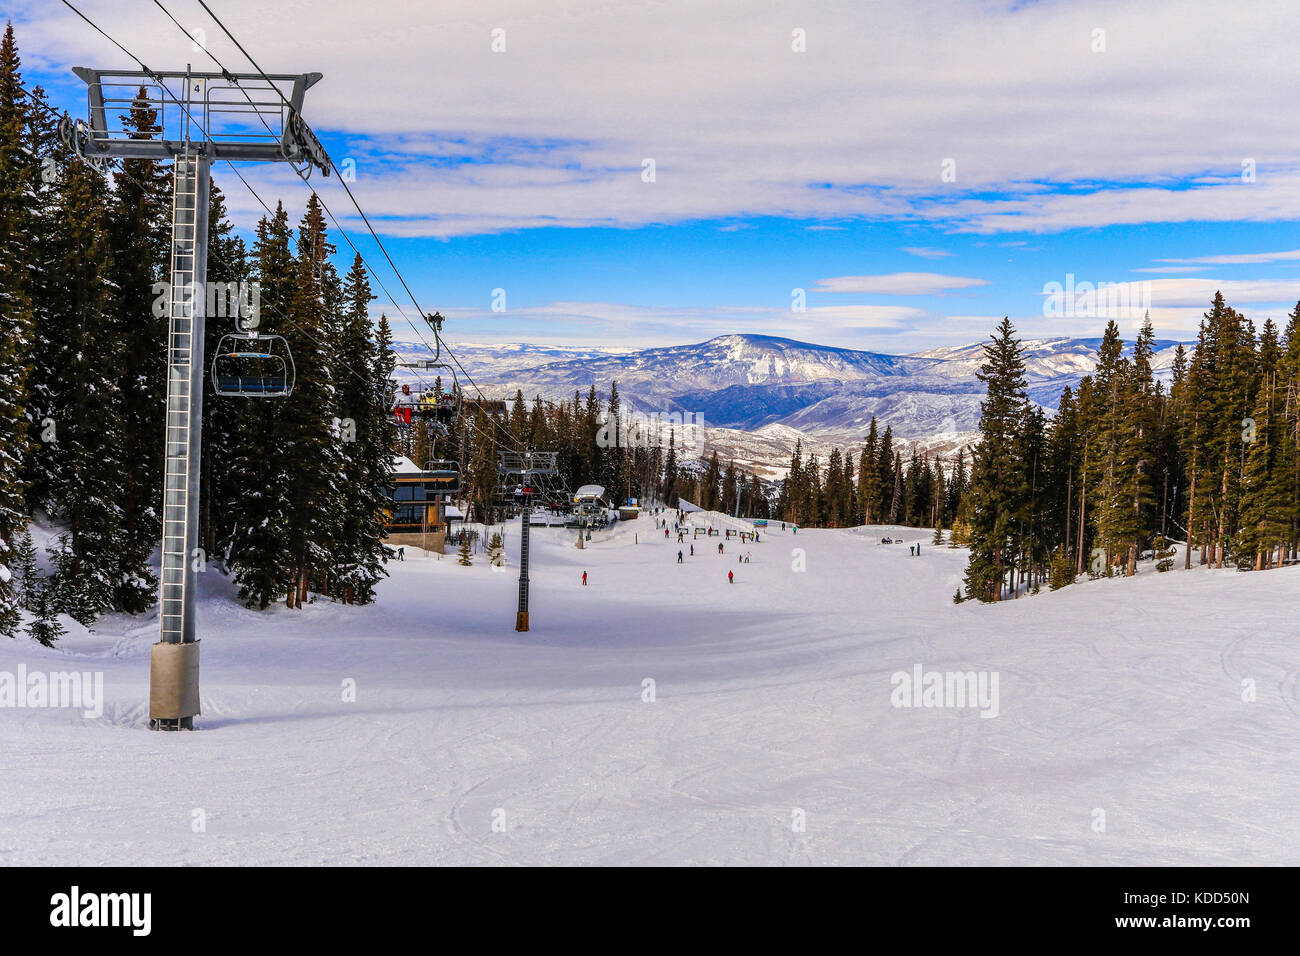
(782, 525)
(692, 551)
(401, 554)
(911, 550)
(665, 532)
(731, 577)
(584, 579)
(679, 556)
(719, 547)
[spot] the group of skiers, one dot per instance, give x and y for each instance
(679, 528)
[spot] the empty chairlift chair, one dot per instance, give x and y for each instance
(248, 365)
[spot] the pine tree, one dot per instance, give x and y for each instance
(364, 396)
(496, 550)
(84, 456)
(140, 238)
(1264, 511)
(668, 494)
(896, 499)
(884, 478)
(45, 628)
(17, 180)
(464, 559)
(869, 477)
(730, 489)
(25, 576)
(257, 499)
(995, 485)
(482, 480)
(1061, 572)
(222, 469)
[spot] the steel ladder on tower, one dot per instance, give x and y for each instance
(181, 368)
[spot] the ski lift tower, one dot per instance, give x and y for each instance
(202, 118)
(527, 465)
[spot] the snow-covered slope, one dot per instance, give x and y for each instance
(772, 699)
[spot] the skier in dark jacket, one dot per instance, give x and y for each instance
(679, 557)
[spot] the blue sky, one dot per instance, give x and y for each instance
(917, 169)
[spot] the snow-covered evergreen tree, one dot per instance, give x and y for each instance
(85, 437)
(26, 578)
(496, 550)
(364, 398)
(45, 628)
(139, 231)
(17, 177)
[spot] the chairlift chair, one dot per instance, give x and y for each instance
(251, 365)
(444, 476)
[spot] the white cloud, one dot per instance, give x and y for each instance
(450, 138)
(898, 283)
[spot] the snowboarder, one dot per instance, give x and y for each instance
(731, 577)
(679, 556)
(584, 579)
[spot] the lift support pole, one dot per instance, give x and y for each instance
(521, 618)
(192, 136)
(174, 661)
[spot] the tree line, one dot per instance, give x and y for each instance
(292, 488)
(883, 487)
(1128, 465)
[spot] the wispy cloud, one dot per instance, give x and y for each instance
(1244, 258)
(898, 283)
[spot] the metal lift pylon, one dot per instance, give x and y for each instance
(208, 121)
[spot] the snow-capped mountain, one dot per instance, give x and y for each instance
(760, 393)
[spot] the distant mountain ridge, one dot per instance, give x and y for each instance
(746, 382)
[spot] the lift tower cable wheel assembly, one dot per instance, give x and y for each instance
(202, 118)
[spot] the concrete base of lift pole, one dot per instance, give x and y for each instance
(173, 686)
(521, 620)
